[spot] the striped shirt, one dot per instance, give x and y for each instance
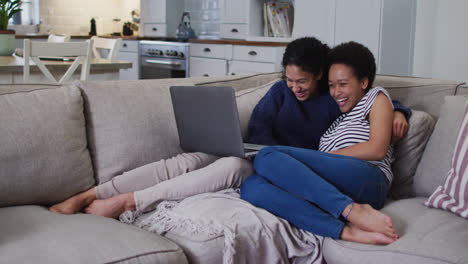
(353, 127)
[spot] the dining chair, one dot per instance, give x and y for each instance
(111, 45)
(58, 38)
(79, 51)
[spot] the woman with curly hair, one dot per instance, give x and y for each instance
(336, 191)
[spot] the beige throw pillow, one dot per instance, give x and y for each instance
(408, 152)
(247, 99)
(435, 161)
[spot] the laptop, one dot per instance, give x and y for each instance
(208, 121)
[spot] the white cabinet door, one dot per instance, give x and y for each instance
(244, 67)
(315, 18)
(132, 73)
(234, 11)
(203, 67)
(254, 53)
(360, 21)
(218, 51)
(153, 11)
(154, 29)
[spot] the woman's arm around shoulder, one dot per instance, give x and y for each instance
(401, 116)
(380, 122)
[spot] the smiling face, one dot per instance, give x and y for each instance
(345, 87)
(303, 84)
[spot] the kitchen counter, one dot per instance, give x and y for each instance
(135, 37)
(240, 42)
(11, 69)
(275, 43)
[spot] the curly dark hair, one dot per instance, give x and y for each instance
(309, 54)
(358, 57)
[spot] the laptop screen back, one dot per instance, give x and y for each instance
(207, 120)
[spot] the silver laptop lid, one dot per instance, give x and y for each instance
(207, 120)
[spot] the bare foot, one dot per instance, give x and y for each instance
(368, 219)
(112, 207)
(75, 203)
(355, 234)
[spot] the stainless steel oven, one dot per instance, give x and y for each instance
(163, 59)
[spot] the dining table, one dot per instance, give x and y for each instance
(11, 70)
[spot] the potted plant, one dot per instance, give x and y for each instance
(7, 37)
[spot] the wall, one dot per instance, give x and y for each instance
(441, 41)
(73, 17)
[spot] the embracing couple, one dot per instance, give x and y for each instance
(328, 167)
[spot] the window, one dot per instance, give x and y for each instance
(29, 15)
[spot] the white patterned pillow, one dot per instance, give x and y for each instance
(452, 195)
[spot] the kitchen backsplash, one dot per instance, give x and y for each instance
(73, 17)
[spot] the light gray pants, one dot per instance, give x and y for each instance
(176, 178)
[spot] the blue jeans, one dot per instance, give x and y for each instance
(310, 189)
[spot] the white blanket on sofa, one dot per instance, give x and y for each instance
(251, 234)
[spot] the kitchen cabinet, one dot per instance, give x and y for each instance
(245, 67)
(209, 59)
(160, 18)
(386, 27)
(128, 51)
(227, 59)
(241, 18)
(255, 59)
(206, 67)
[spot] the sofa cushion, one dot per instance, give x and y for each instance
(247, 99)
(239, 82)
(427, 236)
(452, 195)
(43, 155)
(435, 161)
(424, 94)
(54, 238)
(129, 124)
(408, 152)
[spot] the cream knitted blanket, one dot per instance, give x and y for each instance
(251, 234)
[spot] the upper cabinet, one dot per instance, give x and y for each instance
(241, 19)
(386, 27)
(160, 18)
(234, 12)
(153, 11)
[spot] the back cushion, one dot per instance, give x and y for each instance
(422, 94)
(129, 124)
(246, 101)
(408, 152)
(435, 161)
(240, 82)
(43, 154)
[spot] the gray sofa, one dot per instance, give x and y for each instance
(58, 141)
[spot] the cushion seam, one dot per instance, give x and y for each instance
(391, 251)
(240, 78)
(33, 90)
(144, 254)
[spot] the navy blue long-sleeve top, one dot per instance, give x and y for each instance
(280, 119)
